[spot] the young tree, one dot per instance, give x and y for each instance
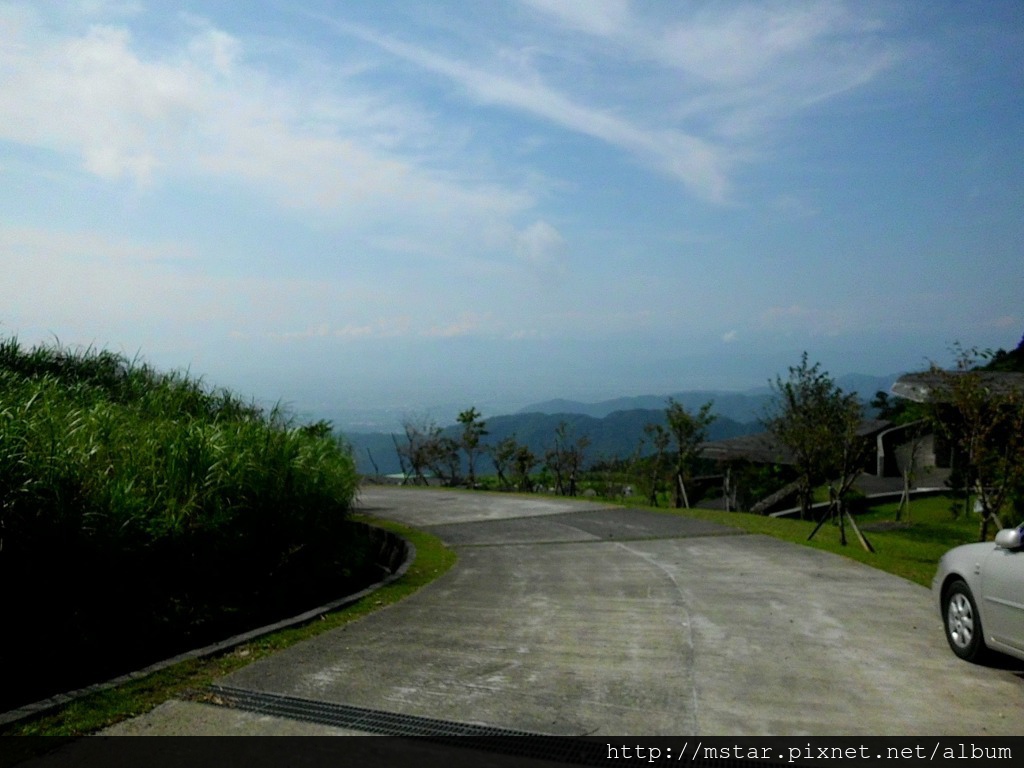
(817, 422)
(565, 459)
(690, 431)
(503, 455)
(473, 428)
(916, 431)
(983, 417)
(656, 463)
(525, 461)
(444, 459)
(847, 463)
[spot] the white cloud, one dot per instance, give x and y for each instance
(201, 107)
(198, 110)
(467, 324)
(91, 95)
(540, 245)
(730, 336)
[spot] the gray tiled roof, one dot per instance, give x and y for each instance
(932, 385)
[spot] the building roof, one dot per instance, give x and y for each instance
(764, 448)
(933, 386)
(761, 448)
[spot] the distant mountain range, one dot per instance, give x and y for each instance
(614, 427)
(744, 406)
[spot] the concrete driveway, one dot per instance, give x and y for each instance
(572, 618)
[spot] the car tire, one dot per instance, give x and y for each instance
(962, 622)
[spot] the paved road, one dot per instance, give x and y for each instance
(569, 618)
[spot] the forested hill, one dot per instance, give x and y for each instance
(616, 435)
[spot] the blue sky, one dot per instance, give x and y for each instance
(397, 204)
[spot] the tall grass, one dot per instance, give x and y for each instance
(139, 510)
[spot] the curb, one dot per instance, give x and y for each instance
(875, 497)
(394, 555)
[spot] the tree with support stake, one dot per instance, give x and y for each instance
(837, 511)
(690, 431)
(847, 464)
(818, 423)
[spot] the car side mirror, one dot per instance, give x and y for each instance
(1009, 538)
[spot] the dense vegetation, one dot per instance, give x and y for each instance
(142, 513)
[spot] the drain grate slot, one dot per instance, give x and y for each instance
(507, 741)
(347, 716)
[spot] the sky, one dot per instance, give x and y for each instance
(405, 203)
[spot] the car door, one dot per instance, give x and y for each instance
(1002, 589)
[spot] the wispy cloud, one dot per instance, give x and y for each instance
(697, 163)
(606, 18)
(723, 76)
(739, 67)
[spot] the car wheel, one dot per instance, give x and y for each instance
(963, 624)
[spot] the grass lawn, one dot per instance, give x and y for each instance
(99, 710)
(911, 550)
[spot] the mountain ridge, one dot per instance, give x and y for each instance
(740, 405)
(613, 431)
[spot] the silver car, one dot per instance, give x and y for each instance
(980, 592)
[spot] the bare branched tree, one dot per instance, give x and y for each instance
(419, 451)
(565, 459)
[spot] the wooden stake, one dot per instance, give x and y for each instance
(863, 539)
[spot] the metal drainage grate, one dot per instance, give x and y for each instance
(511, 742)
(520, 744)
